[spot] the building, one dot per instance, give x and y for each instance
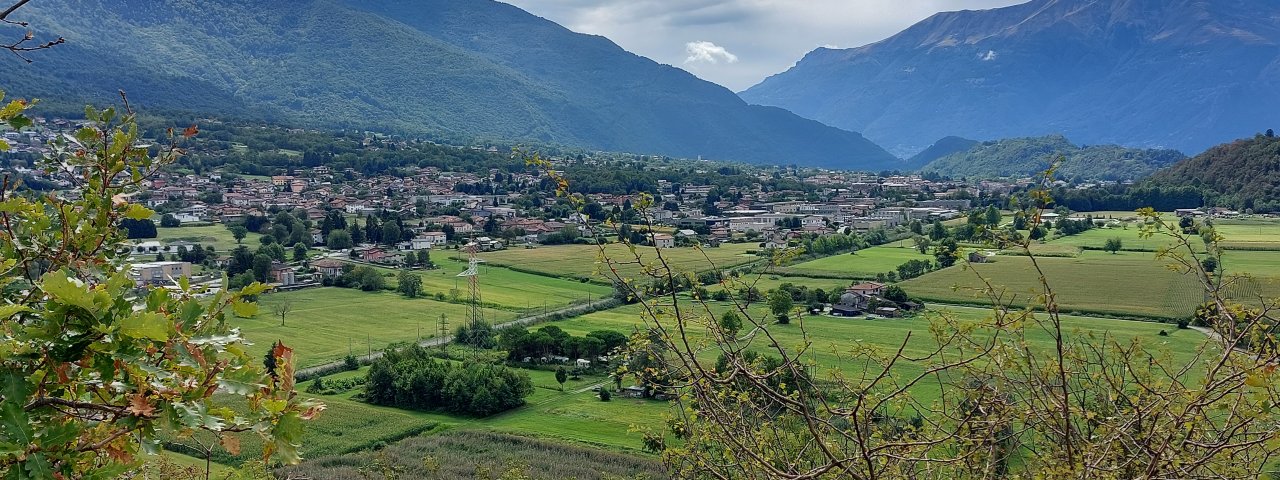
(159, 273)
(870, 289)
(328, 267)
(850, 305)
(662, 240)
(427, 240)
(282, 274)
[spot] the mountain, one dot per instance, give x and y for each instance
(1244, 174)
(1183, 74)
(1025, 157)
(941, 148)
(472, 68)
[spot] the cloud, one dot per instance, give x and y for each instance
(707, 52)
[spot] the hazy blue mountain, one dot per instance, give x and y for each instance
(470, 68)
(1184, 74)
(1027, 157)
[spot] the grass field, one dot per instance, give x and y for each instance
(324, 324)
(1130, 239)
(1250, 233)
(1122, 284)
(216, 235)
(832, 337)
(583, 261)
(509, 288)
(862, 264)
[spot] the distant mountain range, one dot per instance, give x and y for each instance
(1028, 157)
(1183, 74)
(465, 68)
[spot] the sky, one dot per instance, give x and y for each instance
(737, 43)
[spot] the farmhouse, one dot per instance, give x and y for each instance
(870, 289)
(662, 240)
(282, 274)
(328, 267)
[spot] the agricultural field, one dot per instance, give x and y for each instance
(510, 289)
(1125, 284)
(217, 235)
(582, 261)
(464, 454)
(1249, 233)
(862, 264)
(324, 324)
(832, 337)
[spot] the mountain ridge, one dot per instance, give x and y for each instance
(1180, 74)
(432, 67)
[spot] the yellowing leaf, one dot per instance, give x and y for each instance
(148, 325)
(138, 212)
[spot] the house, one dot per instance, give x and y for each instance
(427, 240)
(869, 289)
(850, 305)
(328, 267)
(980, 257)
(373, 254)
(1188, 212)
(887, 312)
(634, 391)
(159, 273)
(282, 274)
(662, 240)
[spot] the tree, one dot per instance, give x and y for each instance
(410, 258)
(90, 377)
(780, 304)
(338, 240)
(937, 231)
(390, 233)
(1113, 245)
(561, 376)
(299, 252)
(1210, 264)
(1271, 133)
(169, 221)
(946, 252)
(895, 293)
(731, 323)
(139, 228)
(282, 307)
(261, 267)
(993, 216)
(239, 232)
(409, 284)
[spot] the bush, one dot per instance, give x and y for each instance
(605, 395)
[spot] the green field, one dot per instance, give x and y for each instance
(324, 324)
(1130, 239)
(1249, 233)
(509, 288)
(1134, 284)
(217, 235)
(582, 261)
(862, 264)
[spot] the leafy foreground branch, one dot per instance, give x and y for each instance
(92, 369)
(960, 400)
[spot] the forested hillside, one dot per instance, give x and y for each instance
(1020, 157)
(1244, 174)
(474, 69)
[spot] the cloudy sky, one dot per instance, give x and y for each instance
(738, 43)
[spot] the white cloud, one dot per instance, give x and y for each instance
(707, 52)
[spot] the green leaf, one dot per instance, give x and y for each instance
(67, 291)
(244, 309)
(148, 325)
(7, 311)
(288, 435)
(19, 122)
(16, 387)
(63, 434)
(38, 467)
(15, 423)
(138, 212)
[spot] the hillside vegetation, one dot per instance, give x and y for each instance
(1244, 174)
(1020, 157)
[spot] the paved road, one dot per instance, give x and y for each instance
(573, 310)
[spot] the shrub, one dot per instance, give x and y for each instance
(605, 395)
